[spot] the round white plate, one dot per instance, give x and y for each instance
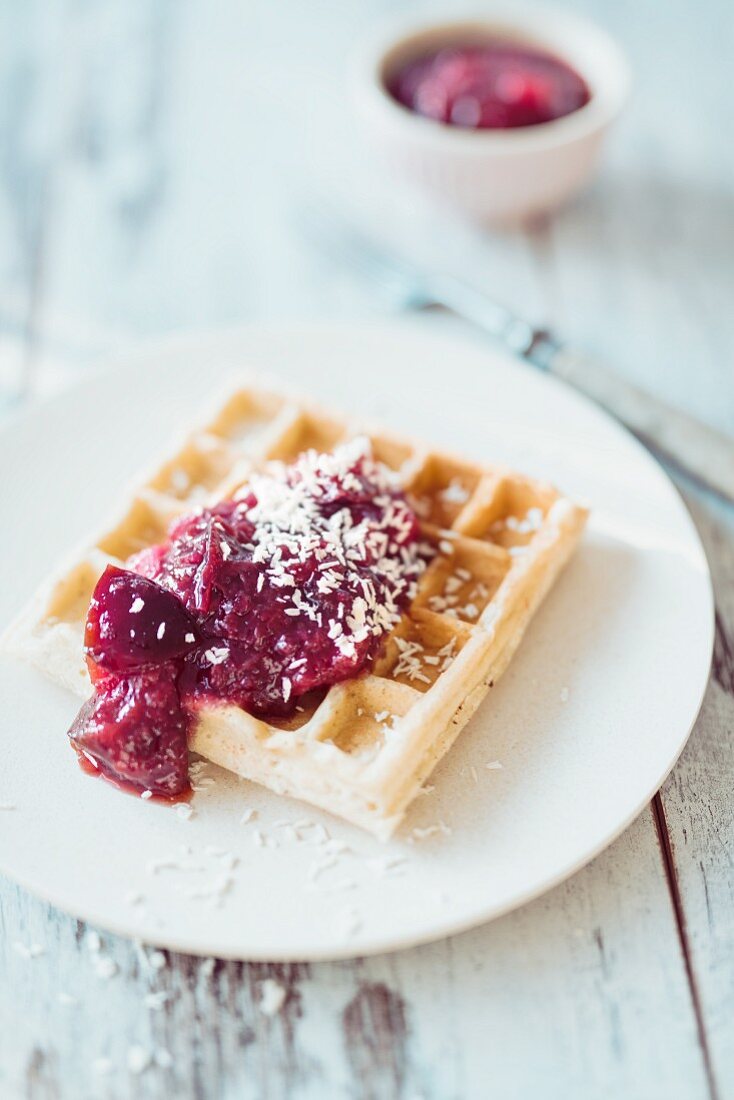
(586, 723)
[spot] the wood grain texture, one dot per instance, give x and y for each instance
(552, 993)
(155, 156)
(698, 808)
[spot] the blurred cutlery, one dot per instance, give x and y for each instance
(695, 448)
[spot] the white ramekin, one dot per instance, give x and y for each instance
(495, 176)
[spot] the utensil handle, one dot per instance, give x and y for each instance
(697, 449)
(693, 447)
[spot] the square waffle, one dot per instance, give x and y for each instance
(363, 748)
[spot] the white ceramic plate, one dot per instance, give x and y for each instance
(588, 720)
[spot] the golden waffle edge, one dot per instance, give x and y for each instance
(362, 751)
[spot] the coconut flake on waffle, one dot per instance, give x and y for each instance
(292, 526)
(237, 573)
(410, 661)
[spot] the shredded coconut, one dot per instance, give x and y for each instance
(105, 967)
(216, 655)
(272, 997)
(32, 951)
(138, 1059)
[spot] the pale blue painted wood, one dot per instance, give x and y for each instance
(579, 994)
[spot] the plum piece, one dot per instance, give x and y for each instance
(134, 730)
(245, 609)
(133, 623)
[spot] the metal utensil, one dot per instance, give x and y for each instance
(696, 449)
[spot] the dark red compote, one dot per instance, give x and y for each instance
(255, 602)
(489, 86)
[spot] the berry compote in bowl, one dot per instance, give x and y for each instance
(502, 116)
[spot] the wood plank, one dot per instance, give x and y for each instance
(184, 209)
(640, 272)
(698, 810)
(642, 263)
(27, 46)
(548, 1000)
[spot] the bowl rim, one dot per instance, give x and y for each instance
(546, 27)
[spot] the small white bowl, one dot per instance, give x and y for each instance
(496, 176)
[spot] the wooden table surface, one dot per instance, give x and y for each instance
(154, 155)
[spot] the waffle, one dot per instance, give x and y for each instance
(363, 748)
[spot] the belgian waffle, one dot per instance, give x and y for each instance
(363, 748)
